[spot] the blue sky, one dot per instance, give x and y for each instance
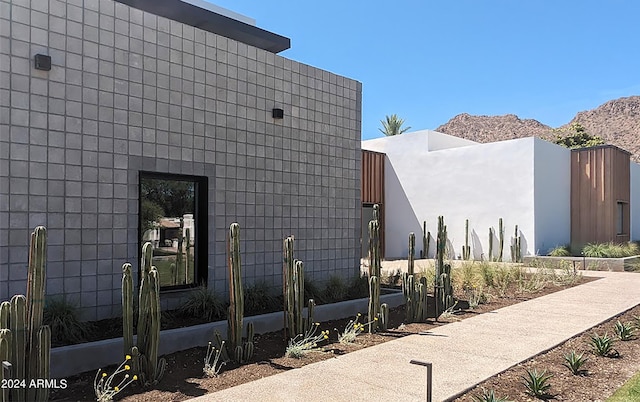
(428, 61)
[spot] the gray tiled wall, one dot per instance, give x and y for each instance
(129, 91)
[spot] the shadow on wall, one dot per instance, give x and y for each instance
(399, 220)
(476, 245)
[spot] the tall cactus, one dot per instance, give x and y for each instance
(293, 289)
(241, 350)
(24, 341)
(374, 270)
(426, 238)
(490, 244)
(466, 249)
(144, 354)
(443, 287)
(516, 247)
(412, 253)
(501, 239)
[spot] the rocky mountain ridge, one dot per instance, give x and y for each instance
(616, 121)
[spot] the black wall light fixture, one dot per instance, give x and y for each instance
(277, 113)
(43, 62)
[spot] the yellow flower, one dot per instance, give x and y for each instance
(104, 374)
(127, 367)
(127, 357)
(359, 314)
(375, 319)
(135, 378)
(326, 337)
(317, 323)
(116, 389)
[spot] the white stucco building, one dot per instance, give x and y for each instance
(526, 182)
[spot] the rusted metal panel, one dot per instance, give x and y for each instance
(372, 187)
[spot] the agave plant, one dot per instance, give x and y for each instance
(537, 383)
(574, 362)
(489, 396)
(602, 345)
(625, 331)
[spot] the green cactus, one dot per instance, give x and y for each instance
(24, 341)
(375, 267)
(414, 293)
(144, 355)
(293, 292)
(5, 355)
(127, 308)
(236, 345)
(443, 287)
(466, 249)
(516, 247)
(501, 239)
(490, 256)
(426, 238)
(374, 303)
(384, 317)
(412, 252)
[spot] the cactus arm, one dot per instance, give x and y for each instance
(501, 239)
(43, 362)
(19, 331)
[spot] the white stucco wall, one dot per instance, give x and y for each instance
(552, 194)
(634, 206)
(481, 183)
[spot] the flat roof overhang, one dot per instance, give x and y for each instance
(207, 20)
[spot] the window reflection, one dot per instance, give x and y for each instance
(167, 211)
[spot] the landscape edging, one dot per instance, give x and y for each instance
(75, 359)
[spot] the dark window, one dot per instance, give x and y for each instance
(173, 218)
(620, 217)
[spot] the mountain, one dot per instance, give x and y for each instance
(616, 121)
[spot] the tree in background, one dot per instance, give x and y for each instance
(576, 136)
(392, 125)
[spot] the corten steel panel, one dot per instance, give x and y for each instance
(599, 180)
(372, 185)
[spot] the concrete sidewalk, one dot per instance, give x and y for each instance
(463, 353)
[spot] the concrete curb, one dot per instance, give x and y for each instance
(75, 359)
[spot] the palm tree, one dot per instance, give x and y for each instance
(392, 125)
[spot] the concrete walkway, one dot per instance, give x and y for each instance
(463, 353)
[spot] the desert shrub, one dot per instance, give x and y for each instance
(336, 290)
(560, 251)
(488, 273)
(358, 288)
(63, 317)
(610, 250)
(537, 383)
(259, 299)
(203, 303)
(313, 291)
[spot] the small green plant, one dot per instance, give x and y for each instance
(202, 302)
(351, 331)
(335, 290)
(537, 383)
(212, 368)
(102, 383)
(574, 362)
(259, 299)
(301, 344)
(610, 250)
(476, 296)
(358, 288)
(603, 345)
(489, 395)
(625, 331)
(488, 273)
(560, 251)
(62, 316)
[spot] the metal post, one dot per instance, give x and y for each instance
(429, 367)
